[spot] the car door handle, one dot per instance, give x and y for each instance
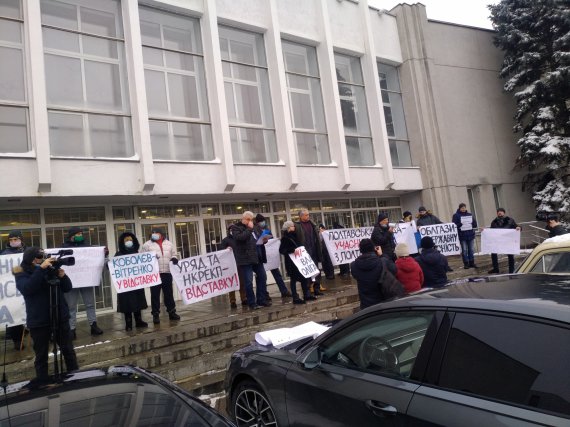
(380, 409)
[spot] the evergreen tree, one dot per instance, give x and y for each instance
(535, 38)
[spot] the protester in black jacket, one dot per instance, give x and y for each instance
(131, 302)
(15, 246)
(32, 281)
(367, 270)
(503, 221)
(289, 243)
(433, 264)
(426, 217)
(554, 227)
(383, 236)
(229, 242)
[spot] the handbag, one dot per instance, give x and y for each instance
(390, 287)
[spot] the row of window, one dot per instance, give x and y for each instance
(88, 99)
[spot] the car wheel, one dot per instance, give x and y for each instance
(251, 407)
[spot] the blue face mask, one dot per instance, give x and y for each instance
(155, 236)
(129, 244)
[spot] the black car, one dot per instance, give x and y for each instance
(115, 397)
(487, 353)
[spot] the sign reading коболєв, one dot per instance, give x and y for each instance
(134, 271)
(205, 276)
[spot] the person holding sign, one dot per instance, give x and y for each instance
(75, 239)
(166, 253)
(131, 302)
(466, 225)
(503, 221)
(289, 243)
(15, 246)
(308, 236)
(383, 236)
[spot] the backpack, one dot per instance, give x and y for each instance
(389, 285)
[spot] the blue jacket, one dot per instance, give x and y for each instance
(465, 234)
(33, 284)
(435, 268)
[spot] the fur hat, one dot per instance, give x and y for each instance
(259, 218)
(427, 243)
(381, 217)
(287, 224)
(402, 250)
(366, 246)
(15, 233)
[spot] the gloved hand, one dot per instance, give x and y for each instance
(174, 260)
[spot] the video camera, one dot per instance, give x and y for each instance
(60, 261)
(547, 216)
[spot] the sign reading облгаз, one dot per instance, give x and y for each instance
(205, 276)
(134, 271)
(444, 236)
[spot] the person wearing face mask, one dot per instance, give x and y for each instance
(15, 246)
(383, 236)
(131, 302)
(166, 253)
(75, 239)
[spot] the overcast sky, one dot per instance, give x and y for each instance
(466, 12)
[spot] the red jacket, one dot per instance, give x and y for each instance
(410, 274)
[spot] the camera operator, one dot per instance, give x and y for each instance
(33, 278)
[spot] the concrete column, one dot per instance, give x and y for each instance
(137, 92)
(216, 93)
(36, 85)
(279, 94)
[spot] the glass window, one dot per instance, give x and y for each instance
(175, 86)
(497, 196)
(394, 115)
(311, 205)
(384, 343)
(73, 215)
(363, 203)
(511, 360)
(247, 96)
(553, 263)
(13, 99)
(88, 103)
(336, 204)
(354, 111)
(19, 218)
(122, 212)
(239, 208)
(279, 207)
(306, 103)
(334, 220)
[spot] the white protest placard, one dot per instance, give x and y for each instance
(272, 254)
(89, 263)
(444, 236)
(281, 337)
(12, 305)
(205, 276)
(466, 223)
(304, 262)
(501, 241)
(404, 232)
(134, 271)
(343, 243)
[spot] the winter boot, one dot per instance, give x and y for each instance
(139, 323)
(128, 322)
(95, 330)
(466, 265)
(155, 318)
(472, 264)
(173, 316)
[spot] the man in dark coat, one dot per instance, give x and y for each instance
(503, 221)
(466, 225)
(328, 267)
(367, 270)
(383, 236)
(132, 302)
(425, 217)
(32, 281)
(75, 239)
(554, 227)
(309, 237)
(289, 244)
(15, 246)
(247, 260)
(433, 264)
(229, 242)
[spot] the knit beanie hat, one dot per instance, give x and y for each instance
(73, 231)
(287, 224)
(381, 217)
(402, 250)
(422, 209)
(427, 243)
(406, 214)
(30, 254)
(15, 233)
(366, 246)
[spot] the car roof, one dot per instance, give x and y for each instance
(562, 241)
(539, 295)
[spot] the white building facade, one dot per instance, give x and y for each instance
(122, 115)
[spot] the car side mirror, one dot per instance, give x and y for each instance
(312, 359)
